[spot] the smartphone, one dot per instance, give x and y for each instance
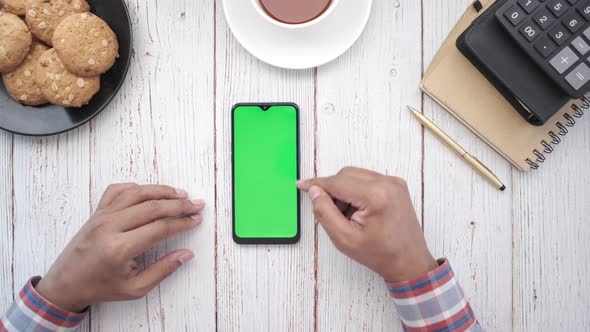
(265, 169)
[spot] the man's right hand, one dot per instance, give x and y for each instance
(99, 264)
(370, 218)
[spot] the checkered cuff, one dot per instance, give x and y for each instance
(31, 312)
(434, 302)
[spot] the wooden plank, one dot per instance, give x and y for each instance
(160, 130)
(182, 96)
(51, 177)
(123, 150)
(551, 233)
(465, 219)
(6, 222)
(260, 288)
(363, 121)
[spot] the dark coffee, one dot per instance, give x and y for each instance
(295, 11)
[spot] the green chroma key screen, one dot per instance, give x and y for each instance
(265, 172)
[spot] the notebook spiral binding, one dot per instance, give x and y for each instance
(569, 120)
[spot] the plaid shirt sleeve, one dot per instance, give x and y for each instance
(434, 302)
(31, 312)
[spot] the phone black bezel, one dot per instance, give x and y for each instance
(236, 238)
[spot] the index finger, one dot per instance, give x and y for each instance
(140, 194)
(112, 192)
(343, 187)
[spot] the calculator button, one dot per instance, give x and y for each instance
(581, 46)
(559, 34)
(555, 35)
(545, 46)
(573, 22)
(544, 19)
(528, 5)
(563, 60)
(579, 76)
(515, 15)
(557, 7)
(584, 9)
(530, 31)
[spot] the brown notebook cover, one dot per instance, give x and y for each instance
(454, 83)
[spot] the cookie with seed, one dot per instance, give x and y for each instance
(15, 41)
(86, 44)
(60, 86)
(43, 16)
(17, 7)
(21, 84)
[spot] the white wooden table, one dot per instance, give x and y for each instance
(521, 256)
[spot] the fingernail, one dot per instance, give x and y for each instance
(315, 192)
(197, 218)
(181, 192)
(185, 257)
(300, 183)
(198, 202)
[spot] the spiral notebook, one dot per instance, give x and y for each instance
(454, 83)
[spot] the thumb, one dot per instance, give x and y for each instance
(329, 216)
(160, 270)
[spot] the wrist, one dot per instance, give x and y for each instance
(57, 295)
(410, 268)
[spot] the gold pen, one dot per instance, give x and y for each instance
(469, 159)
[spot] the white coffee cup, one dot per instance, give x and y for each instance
(263, 13)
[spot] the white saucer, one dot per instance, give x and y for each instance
(299, 48)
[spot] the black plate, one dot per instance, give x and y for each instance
(50, 119)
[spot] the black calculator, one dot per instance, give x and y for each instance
(556, 36)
